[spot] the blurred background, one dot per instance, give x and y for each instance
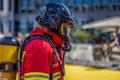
(92, 57)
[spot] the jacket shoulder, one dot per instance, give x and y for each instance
(38, 44)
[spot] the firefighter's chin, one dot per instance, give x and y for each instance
(67, 47)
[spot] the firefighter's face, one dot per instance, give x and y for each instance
(64, 30)
(64, 26)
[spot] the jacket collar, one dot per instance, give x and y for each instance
(55, 38)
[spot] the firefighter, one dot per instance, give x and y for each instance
(42, 60)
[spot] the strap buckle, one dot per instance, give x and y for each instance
(6, 67)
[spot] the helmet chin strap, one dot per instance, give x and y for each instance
(65, 34)
(67, 47)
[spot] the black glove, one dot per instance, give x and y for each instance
(67, 47)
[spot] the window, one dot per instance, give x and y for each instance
(71, 7)
(46, 1)
(31, 3)
(77, 2)
(30, 26)
(17, 26)
(23, 26)
(52, 0)
(63, 1)
(113, 1)
(96, 7)
(78, 22)
(82, 9)
(23, 4)
(86, 8)
(83, 22)
(10, 26)
(16, 6)
(91, 8)
(70, 1)
(86, 1)
(104, 1)
(113, 7)
(95, 1)
(90, 19)
(76, 9)
(1, 27)
(119, 7)
(1, 4)
(103, 7)
(38, 3)
(10, 5)
(35, 23)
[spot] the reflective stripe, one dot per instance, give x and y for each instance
(56, 76)
(23, 55)
(36, 76)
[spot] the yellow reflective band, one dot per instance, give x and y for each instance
(36, 76)
(56, 76)
(23, 55)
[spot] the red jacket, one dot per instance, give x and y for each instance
(37, 58)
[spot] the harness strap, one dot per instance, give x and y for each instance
(7, 67)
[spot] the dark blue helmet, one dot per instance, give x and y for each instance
(53, 14)
(56, 17)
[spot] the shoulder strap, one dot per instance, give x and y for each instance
(32, 37)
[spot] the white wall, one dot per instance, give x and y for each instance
(82, 52)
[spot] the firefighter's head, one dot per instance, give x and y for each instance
(9, 40)
(56, 17)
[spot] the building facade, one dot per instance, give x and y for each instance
(19, 15)
(6, 16)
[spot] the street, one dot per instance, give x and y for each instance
(76, 72)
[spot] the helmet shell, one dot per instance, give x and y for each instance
(53, 14)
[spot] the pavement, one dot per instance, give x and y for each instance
(78, 72)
